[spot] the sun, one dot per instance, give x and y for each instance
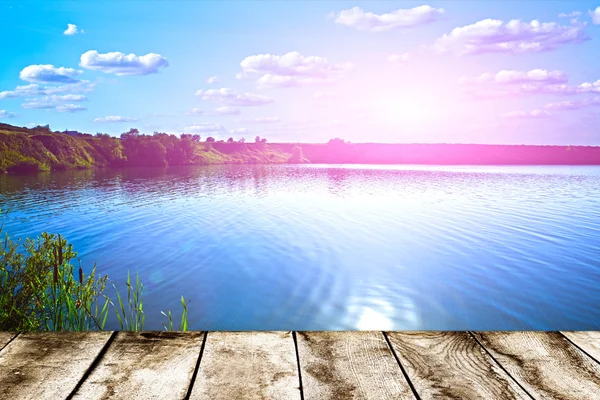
(404, 109)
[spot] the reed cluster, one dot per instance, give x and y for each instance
(41, 290)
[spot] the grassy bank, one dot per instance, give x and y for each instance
(39, 149)
(41, 290)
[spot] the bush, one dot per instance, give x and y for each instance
(28, 166)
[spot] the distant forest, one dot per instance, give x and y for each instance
(40, 149)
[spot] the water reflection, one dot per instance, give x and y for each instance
(335, 247)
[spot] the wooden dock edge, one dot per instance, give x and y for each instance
(301, 365)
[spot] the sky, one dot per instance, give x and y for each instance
(498, 72)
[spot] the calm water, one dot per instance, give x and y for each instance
(335, 247)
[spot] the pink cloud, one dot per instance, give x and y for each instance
(573, 105)
(510, 83)
(589, 87)
(232, 98)
(290, 70)
(513, 77)
(535, 114)
(512, 37)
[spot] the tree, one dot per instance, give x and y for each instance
(257, 139)
(296, 155)
(336, 141)
(230, 140)
(242, 140)
(263, 140)
(133, 132)
(196, 138)
(210, 139)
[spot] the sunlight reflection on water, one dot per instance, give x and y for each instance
(335, 247)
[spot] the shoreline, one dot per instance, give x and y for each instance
(38, 150)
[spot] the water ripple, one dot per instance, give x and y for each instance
(335, 247)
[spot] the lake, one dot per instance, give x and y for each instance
(324, 247)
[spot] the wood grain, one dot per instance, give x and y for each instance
(248, 365)
(148, 365)
(452, 365)
(5, 338)
(545, 364)
(588, 341)
(47, 365)
(349, 365)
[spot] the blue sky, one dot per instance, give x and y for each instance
(367, 71)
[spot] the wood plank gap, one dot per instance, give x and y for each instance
(196, 369)
(412, 387)
(500, 365)
(13, 338)
(298, 363)
(93, 365)
(577, 346)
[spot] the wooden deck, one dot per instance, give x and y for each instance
(300, 365)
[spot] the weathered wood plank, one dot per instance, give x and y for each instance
(452, 365)
(247, 365)
(47, 365)
(588, 341)
(147, 365)
(545, 364)
(349, 365)
(6, 337)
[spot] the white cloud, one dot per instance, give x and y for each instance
(535, 114)
(512, 83)
(212, 79)
(399, 59)
(402, 18)
(595, 15)
(52, 101)
(122, 64)
(217, 111)
(205, 127)
(573, 14)
(19, 91)
(574, 105)
(229, 97)
(6, 114)
(262, 120)
(513, 37)
(290, 70)
(49, 74)
(42, 103)
(239, 130)
(37, 90)
(72, 29)
(519, 77)
(589, 87)
(225, 111)
(113, 118)
(70, 97)
(70, 108)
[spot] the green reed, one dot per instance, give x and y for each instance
(40, 289)
(130, 313)
(183, 326)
